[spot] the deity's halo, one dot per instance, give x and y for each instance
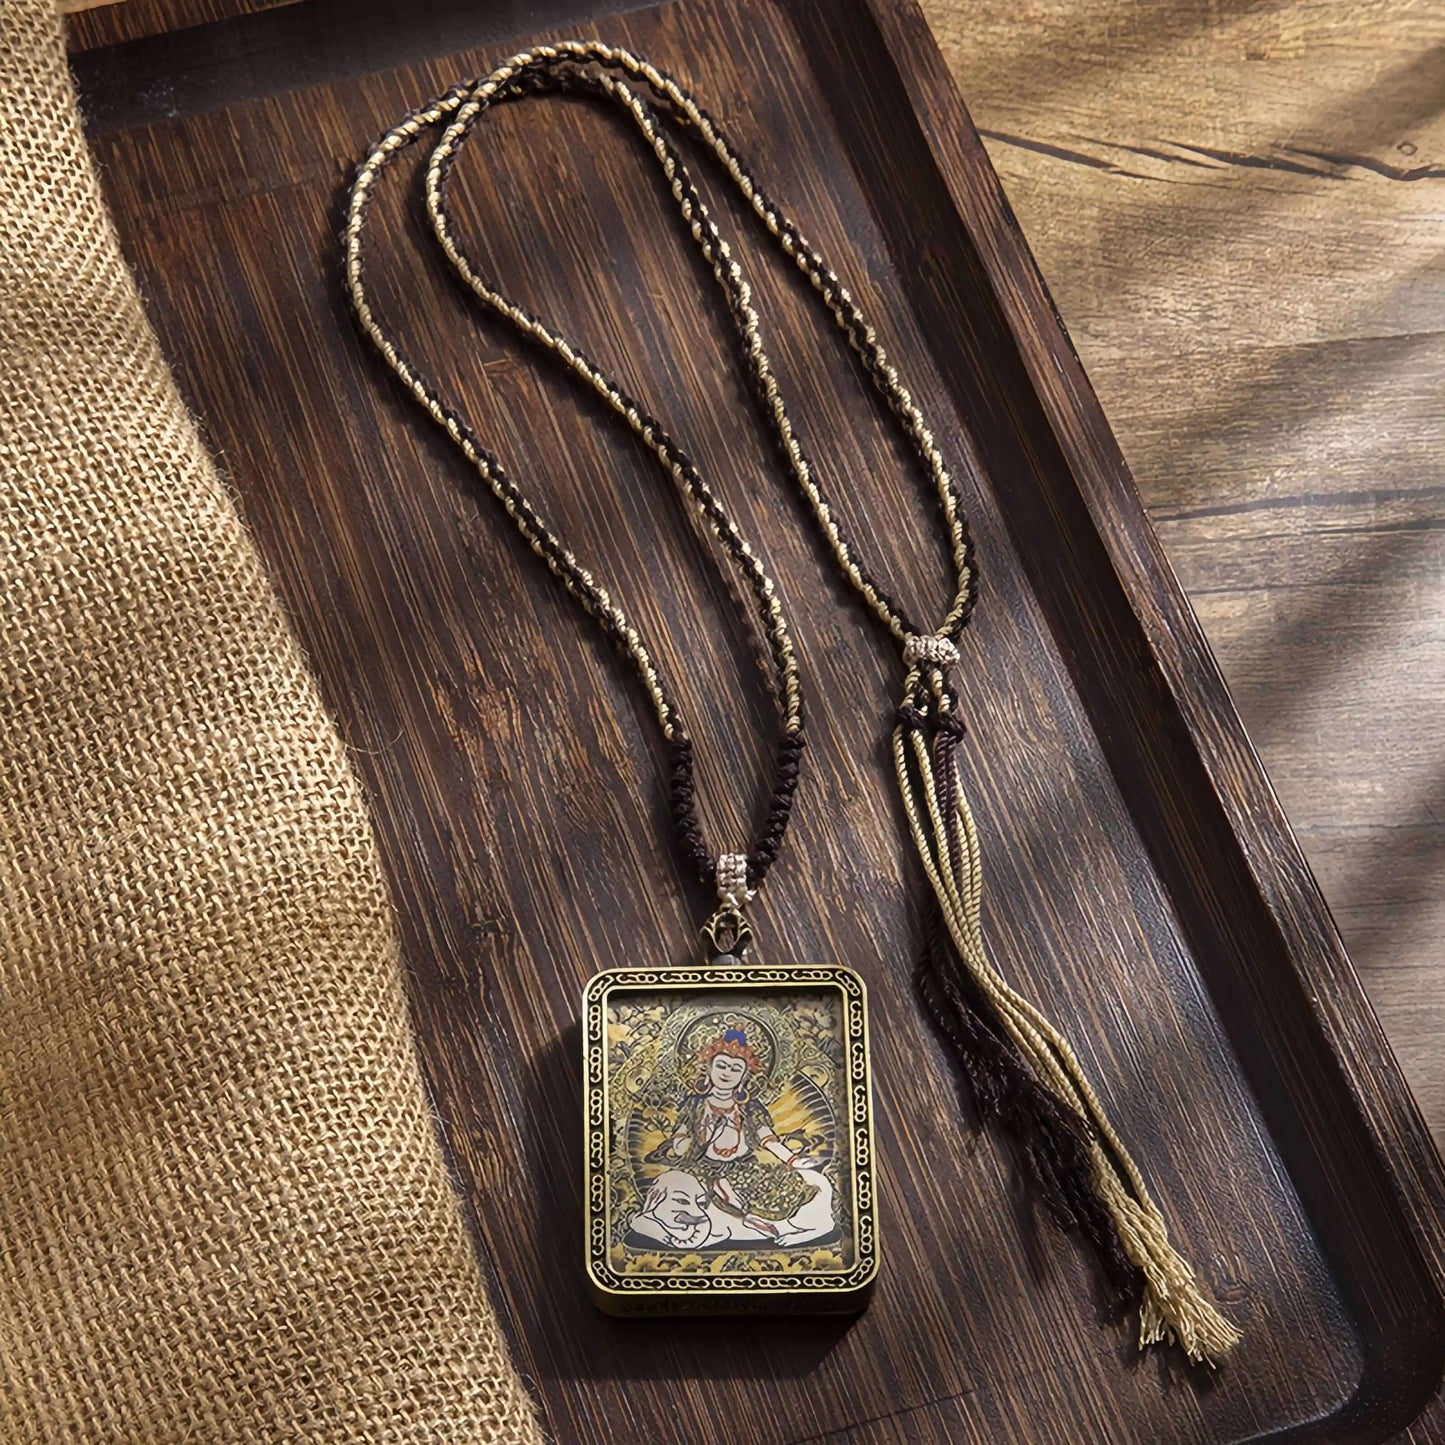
(694, 1025)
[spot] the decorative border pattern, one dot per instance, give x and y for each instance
(597, 1133)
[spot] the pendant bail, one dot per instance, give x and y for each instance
(728, 930)
(928, 657)
(728, 934)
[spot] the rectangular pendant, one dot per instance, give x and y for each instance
(729, 1140)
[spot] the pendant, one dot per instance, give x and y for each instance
(729, 1140)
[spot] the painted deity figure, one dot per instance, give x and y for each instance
(721, 1133)
(681, 1212)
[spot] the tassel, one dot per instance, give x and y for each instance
(1050, 1140)
(1173, 1306)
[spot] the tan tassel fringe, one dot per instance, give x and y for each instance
(1175, 1307)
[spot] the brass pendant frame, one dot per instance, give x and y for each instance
(699, 1223)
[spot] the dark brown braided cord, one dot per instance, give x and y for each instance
(997, 1076)
(594, 69)
(574, 576)
(1019, 1066)
(585, 67)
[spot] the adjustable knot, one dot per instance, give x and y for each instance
(925, 713)
(929, 651)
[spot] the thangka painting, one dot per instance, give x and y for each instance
(730, 1141)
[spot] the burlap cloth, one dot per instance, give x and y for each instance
(223, 1211)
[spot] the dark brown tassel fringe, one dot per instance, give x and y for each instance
(1049, 1140)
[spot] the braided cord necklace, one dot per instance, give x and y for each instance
(1019, 1066)
(737, 876)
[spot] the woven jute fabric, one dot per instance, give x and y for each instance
(224, 1212)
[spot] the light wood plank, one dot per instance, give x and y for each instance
(1239, 211)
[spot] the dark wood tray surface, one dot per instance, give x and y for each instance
(1140, 873)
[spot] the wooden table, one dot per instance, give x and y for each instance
(1066, 179)
(1238, 209)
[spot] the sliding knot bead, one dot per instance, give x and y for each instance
(732, 880)
(920, 651)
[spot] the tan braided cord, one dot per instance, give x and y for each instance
(1175, 1306)
(224, 1212)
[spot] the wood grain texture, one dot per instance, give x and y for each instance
(1142, 877)
(95, 23)
(1238, 210)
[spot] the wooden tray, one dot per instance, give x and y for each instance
(1141, 874)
